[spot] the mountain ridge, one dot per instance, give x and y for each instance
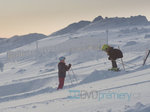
(100, 23)
(19, 40)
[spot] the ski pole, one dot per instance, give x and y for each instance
(122, 61)
(122, 64)
(146, 57)
(70, 78)
(75, 77)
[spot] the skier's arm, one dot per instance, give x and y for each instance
(67, 67)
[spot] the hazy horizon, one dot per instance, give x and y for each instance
(20, 17)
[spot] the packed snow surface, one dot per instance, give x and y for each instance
(30, 79)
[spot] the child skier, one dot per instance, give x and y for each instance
(113, 55)
(62, 68)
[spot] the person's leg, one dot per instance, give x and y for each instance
(114, 64)
(61, 83)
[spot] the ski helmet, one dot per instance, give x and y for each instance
(62, 58)
(104, 47)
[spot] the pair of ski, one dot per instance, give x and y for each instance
(114, 69)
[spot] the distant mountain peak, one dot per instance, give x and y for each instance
(99, 18)
(100, 23)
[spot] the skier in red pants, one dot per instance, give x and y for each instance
(62, 68)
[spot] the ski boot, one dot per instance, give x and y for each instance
(114, 69)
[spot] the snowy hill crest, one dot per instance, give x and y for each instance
(100, 23)
(18, 41)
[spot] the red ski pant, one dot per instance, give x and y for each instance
(61, 83)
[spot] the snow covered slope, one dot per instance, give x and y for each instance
(30, 79)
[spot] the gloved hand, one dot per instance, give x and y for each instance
(69, 65)
(109, 58)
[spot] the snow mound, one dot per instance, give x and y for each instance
(21, 71)
(25, 89)
(139, 107)
(130, 43)
(147, 36)
(100, 75)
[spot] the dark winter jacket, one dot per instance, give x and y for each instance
(114, 53)
(62, 68)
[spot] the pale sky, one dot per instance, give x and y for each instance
(19, 17)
